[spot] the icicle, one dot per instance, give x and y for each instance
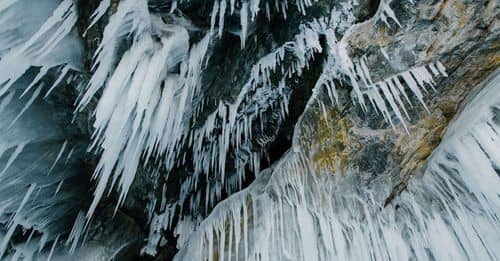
(13, 157)
(213, 16)
(387, 89)
(76, 232)
(384, 11)
(222, 13)
(54, 244)
(384, 53)
(58, 156)
(244, 23)
(98, 13)
(14, 222)
(44, 43)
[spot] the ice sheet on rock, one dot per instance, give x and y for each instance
(292, 213)
(37, 189)
(45, 38)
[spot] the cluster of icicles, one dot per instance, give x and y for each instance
(143, 116)
(292, 213)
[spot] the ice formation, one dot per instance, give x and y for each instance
(39, 156)
(143, 102)
(145, 136)
(449, 213)
(236, 128)
(45, 40)
(145, 92)
(248, 11)
(40, 196)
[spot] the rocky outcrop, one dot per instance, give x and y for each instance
(463, 36)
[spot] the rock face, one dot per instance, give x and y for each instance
(312, 130)
(463, 36)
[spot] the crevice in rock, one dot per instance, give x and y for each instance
(302, 91)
